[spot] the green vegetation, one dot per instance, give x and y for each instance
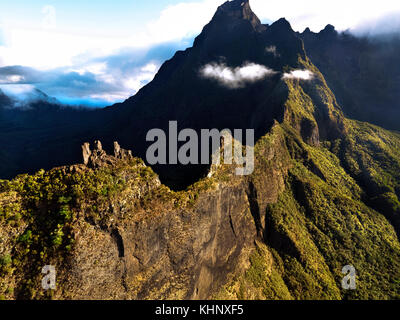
(46, 205)
(340, 206)
(329, 226)
(332, 200)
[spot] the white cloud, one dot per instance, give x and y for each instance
(11, 79)
(47, 49)
(145, 75)
(299, 74)
(17, 90)
(95, 68)
(180, 20)
(236, 77)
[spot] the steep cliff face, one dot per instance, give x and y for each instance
(116, 232)
(362, 71)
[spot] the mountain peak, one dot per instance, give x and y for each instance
(329, 30)
(281, 27)
(233, 19)
(237, 9)
(282, 24)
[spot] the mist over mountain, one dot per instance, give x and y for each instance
(24, 97)
(387, 26)
(96, 81)
(363, 72)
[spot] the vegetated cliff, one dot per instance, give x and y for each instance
(324, 194)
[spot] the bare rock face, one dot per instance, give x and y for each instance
(120, 153)
(98, 157)
(98, 146)
(117, 149)
(175, 254)
(86, 153)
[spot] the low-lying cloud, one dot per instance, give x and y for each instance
(388, 25)
(299, 74)
(237, 77)
(21, 96)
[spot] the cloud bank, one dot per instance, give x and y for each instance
(299, 74)
(386, 25)
(96, 84)
(98, 81)
(236, 77)
(22, 95)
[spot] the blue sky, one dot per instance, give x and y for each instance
(102, 16)
(104, 51)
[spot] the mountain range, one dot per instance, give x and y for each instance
(324, 193)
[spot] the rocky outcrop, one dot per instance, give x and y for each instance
(86, 153)
(121, 153)
(98, 157)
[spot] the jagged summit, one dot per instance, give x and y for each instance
(282, 23)
(307, 31)
(238, 9)
(328, 31)
(329, 28)
(281, 28)
(232, 19)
